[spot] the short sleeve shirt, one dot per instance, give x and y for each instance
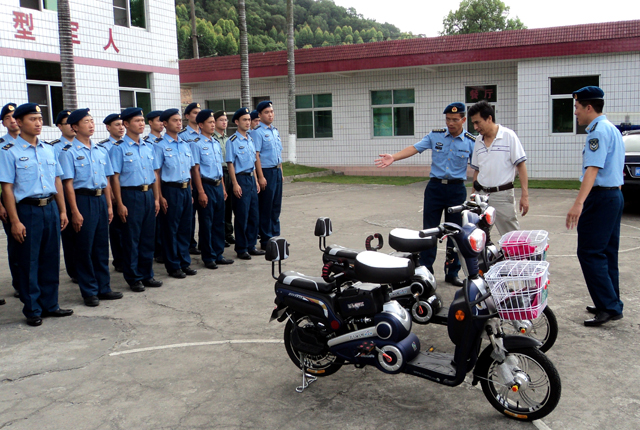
(241, 152)
(88, 167)
(449, 154)
(207, 153)
(222, 141)
(188, 134)
(134, 162)
(496, 165)
(173, 158)
(604, 149)
(266, 140)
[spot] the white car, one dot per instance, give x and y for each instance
(631, 187)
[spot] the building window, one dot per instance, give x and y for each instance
(40, 4)
(393, 112)
(314, 117)
(129, 13)
(44, 86)
(135, 90)
(230, 106)
(563, 120)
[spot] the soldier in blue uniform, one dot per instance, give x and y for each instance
(266, 140)
(450, 148)
(255, 119)
(135, 189)
(173, 162)
(13, 131)
(597, 211)
(241, 158)
(155, 135)
(208, 184)
(115, 128)
(86, 168)
(32, 192)
(190, 134)
(66, 136)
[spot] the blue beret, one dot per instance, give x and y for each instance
(165, 115)
(204, 115)
(587, 93)
(111, 117)
(62, 115)
(254, 114)
(456, 107)
(191, 107)
(26, 109)
(6, 109)
(131, 112)
(77, 115)
(153, 114)
(263, 105)
(239, 113)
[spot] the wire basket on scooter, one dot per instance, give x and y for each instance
(525, 245)
(519, 288)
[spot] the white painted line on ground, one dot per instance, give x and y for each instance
(540, 425)
(185, 345)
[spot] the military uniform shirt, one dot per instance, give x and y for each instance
(266, 140)
(174, 158)
(241, 152)
(152, 138)
(449, 154)
(188, 134)
(207, 153)
(58, 144)
(604, 149)
(31, 169)
(7, 138)
(88, 168)
(109, 142)
(134, 163)
(222, 141)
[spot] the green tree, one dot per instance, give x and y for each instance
(318, 37)
(207, 38)
(479, 16)
(305, 37)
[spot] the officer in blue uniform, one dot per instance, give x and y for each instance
(266, 140)
(173, 162)
(597, 211)
(115, 128)
(450, 148)
(13, 131)
(156, 126)
(32, 192)
(255, 118)
(211, 193)
(191, 133)
(86, 168)
(66, 136)
(135, 189)
(241, 158)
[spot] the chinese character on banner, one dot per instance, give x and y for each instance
(473, 94)
(111, 42)
(74, 32)
(23, 23)
(488, 93)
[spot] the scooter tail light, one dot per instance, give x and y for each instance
(477, 239)
(490, 215)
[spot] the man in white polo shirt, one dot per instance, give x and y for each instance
(497, 156)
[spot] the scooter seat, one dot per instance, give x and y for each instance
(381, 268)
(401, 254)
(405, 240)
(341, 252)
(311, 283)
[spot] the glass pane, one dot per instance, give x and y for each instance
(322, 100)
(304, 124)
(143, 100)
(580, 129)
(120, 17)
(257, 100)
(403, 96)
(214, 105)
(403, 121)
(126, 99)
(323, 123)
(304, 102)
(382, 120)
(31, 4)
(37, 94)
(571, 84)
(138, 18)
(381, 97)
(130, 79)
(231, 106)
(51, 4)
(43, 71)
(57, 103)
(562, 116)
(120, 3)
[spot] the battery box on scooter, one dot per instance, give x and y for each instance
(361, 300)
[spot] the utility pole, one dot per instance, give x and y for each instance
(194, 32)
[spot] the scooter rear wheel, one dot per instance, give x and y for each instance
(323, 364)
(544, 328)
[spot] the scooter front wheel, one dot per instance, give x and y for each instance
(525, 387)
(544, 328)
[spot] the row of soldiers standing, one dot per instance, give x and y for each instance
(140, 192)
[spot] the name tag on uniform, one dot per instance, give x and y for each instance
(129, 154)
(169, 149)
(80, 157)
(439, 145)
(24, 158)
(205, 148)
(241, 147)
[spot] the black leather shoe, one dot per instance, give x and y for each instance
(34, 321)
(111, 295)
(159, 260)
(244, 256)
(231, 239)
(211, 265)
(57, 313)
(74, 280)
(255, 251)
(189, 271)
(223, 260)
(592, 310)
(178, 274)
(3, 302)
(194, 251)
(226, 244)
(601, 318)
(454, 280)
(92, 301)
(118, 269)
(152, 283)
(137, 287)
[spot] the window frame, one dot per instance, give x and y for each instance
(48, 84)
(577, 130)
(136, 90)
(393, 106)
(313, 109)
(231, 127)
(127, 10)
(41, 6)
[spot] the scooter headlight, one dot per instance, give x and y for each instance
(477, 239)
(489, 215)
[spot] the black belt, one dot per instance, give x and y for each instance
(214, 182)
(268, 168)
(245, 173)
(138, 188)
(599, 188)
(448, 181)
(37, 202)
(182, 185)
(504, 187)
(89, 192)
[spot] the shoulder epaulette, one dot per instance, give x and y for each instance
(439, 130)
(48, 143)
(184, 129)
(158, 139)
(233, 138)
(53, 142)
(146, 137)
(469, 135)
(594, 127)
(66, 147)
(1, 139)
(104, 141)
(117, 143)
(7, 146)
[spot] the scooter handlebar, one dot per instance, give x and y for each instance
(435, 231)
(456, 209)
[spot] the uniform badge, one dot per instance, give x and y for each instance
(11, 108)
(169, 149)
(24, 158)
(128, 154)
(38, 109)
(593, 144)
(241, 147)
(80, 157)
(454, 109)
(439, 145)
(205, 148)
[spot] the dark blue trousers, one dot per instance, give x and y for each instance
(270, 200)
(598, 243)
(115, 238)
(246, 214)
(211, 220)
(68, 237)
(193, 243)
(228, 204)
(92, 246)
(176, 227)
(38, 259)
(10, 245)
(437, 198)
(138, 235)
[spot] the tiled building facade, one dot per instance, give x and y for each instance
(125, 54)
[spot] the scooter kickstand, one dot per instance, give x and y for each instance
(306, 378)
